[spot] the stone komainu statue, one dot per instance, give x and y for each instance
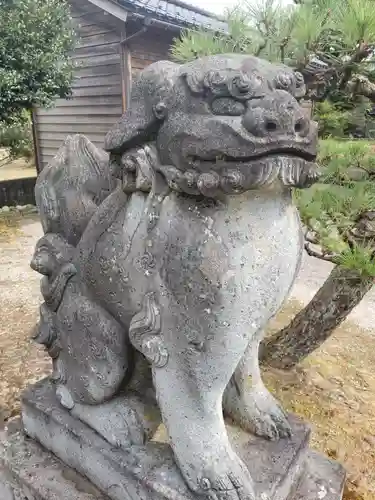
(164, 260)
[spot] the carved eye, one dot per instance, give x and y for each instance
(227, 107)
(160, 110)
(214, 78)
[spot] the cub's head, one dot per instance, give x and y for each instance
(225, 123)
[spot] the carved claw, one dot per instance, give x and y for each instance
(257, 411)
(235, 484)
(64, 397)
(144, 333)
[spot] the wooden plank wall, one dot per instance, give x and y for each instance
(97, 100)
(97, 90)
(149, 47)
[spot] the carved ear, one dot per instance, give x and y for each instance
(151, 94)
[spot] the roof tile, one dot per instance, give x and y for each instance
(177, 12)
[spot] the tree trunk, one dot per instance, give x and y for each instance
(341, 292)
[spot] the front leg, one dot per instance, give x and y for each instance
(249, 403)
(189, 389)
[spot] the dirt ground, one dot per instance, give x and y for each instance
(20, 360)
(17, 169)
(334, 389)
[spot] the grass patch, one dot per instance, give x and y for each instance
(9, 225)
(334, 389)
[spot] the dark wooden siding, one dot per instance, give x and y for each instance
(151, 46)
(97, 90)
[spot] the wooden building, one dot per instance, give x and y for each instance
(117, 38)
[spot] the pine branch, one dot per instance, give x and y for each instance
(5, 161)
(320, 254)
(362, 52)
(311, 238)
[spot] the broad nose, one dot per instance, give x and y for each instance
(277, 114)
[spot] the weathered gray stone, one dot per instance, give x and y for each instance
(282, 469)
(29, 472)
(162, 263)
(275, 466)
(7, 490)
(323, 479)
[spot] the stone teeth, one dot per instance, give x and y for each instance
(286, 171)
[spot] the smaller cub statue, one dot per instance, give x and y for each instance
(171, 251)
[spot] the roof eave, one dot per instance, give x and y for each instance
(168, 22)
(124, 10)
(111, 7)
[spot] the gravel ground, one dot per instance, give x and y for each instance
(19, 284)
(21, 361)
(16, 169)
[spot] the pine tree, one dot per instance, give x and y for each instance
(339, 218)
(331, 42)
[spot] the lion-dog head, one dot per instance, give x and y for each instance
(221, 124)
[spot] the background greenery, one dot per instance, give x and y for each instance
(330, 41)
(36, 39)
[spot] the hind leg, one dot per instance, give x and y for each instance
(130, 417)
(249, 403)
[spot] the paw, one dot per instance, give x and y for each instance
(257, 412)
(267, 419)
(65, 397)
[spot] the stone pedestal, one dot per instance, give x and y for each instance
(91, 468)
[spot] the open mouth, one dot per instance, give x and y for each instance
(292, 167)
(224, 158)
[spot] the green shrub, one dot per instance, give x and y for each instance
(346, 161)
(16, 137)
(336, 208)
(345, 119)
(331, 120)
(36, 40)
(360, 123)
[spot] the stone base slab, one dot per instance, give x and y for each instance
(29, 472)
(283, 470)
(323, 479)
